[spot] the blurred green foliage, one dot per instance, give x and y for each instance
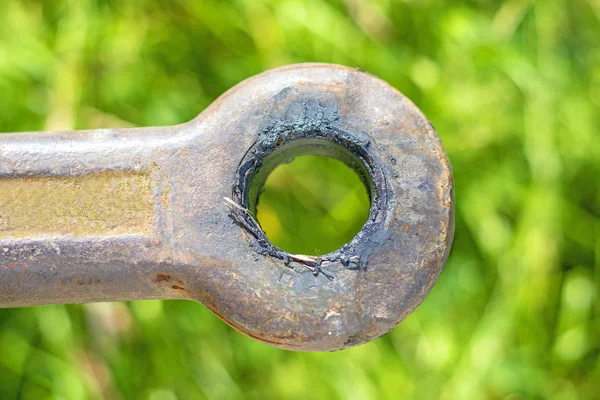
(312, 205)
(513, 87)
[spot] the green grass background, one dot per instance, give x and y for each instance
(312, 205)
(513, 87)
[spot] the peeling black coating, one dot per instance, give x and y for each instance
(311, 118)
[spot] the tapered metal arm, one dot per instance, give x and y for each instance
(80, 212)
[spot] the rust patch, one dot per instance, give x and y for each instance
(174, 283)
(163, 278)
(14, 266)
(101, 204)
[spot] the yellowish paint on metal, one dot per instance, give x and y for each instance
(107, 203)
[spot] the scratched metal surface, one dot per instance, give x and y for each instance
(188, 246)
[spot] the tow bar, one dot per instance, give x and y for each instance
(167, 212)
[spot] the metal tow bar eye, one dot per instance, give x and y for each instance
(166, 213)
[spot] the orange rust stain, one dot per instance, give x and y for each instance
(163, 277)
(175, 284)
(14, 266)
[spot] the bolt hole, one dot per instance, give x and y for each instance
(311, 197)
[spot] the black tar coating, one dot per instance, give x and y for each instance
(315, 119)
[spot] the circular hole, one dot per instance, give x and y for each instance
(311, 197)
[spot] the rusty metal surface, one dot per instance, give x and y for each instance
(123, 214)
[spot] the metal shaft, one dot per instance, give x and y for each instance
(124, 214)
(85, 215)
